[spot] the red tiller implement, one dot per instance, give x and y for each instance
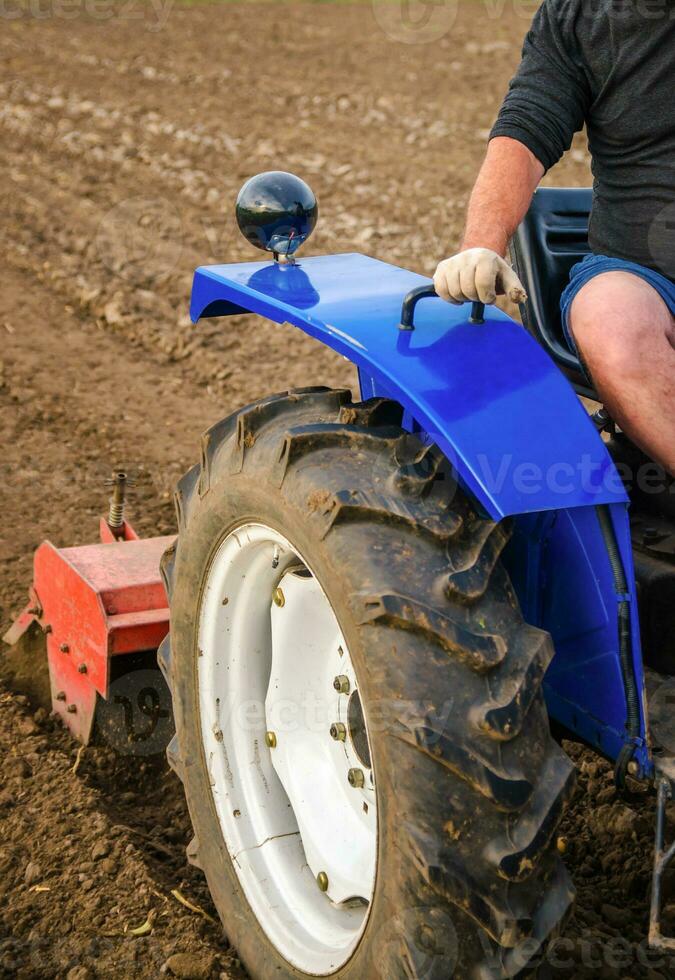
(89, 605)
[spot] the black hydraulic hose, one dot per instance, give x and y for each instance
(625, 642)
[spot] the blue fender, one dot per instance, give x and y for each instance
(485, 393)
(519, 439)
(560, 568)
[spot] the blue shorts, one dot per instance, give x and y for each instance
(595, 265)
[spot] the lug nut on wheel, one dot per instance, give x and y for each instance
(271, 740)
(338, 731)
(356, 778)
(341, 684)
(322, 881)
(278, 597)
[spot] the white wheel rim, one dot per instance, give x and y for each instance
(288, 813)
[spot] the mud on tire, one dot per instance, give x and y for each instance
(470, 783)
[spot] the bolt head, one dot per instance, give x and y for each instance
(61, 696)
(64, 648)
(72, 709)
(322, 881)
(341, 684)
(356, 778)
(271, 740)
(82, 669)
(338, 731)
(278, 597)
(426, 938)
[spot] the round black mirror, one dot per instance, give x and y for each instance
(276, 211)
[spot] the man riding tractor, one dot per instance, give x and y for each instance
(607, 65)
(378, 606)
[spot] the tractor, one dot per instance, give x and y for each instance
(385, 611)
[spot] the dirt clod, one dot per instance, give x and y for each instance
(18, 767)
(100, 850)
(32, 873)
(615, 917)
(190, 966)
(80, 973)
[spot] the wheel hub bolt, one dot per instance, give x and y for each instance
(278, 597)
(356, 778)
(322, 881)
(338, 731)
(341, 684)
(271, 740)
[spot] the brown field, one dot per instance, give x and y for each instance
(125, 133)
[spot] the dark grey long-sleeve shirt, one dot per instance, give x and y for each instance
(611, 65)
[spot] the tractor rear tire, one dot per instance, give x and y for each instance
(470, 783)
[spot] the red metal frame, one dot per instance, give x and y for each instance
(93, 603)
(108, 537)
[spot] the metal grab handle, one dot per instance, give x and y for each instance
(421, 292)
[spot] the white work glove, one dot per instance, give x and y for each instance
(477, 274)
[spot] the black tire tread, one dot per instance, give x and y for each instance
(511, 774)
(364, 506)
(479, 650)
(517, 855)
(514, 686)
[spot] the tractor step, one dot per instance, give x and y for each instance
(87, 605)
(661, 696)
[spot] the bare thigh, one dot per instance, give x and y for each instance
(625, 334)
(615, 317)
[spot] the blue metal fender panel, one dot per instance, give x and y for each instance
(517, 435)
(486, 394)
(560, 570)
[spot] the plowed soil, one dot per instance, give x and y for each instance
(125, 132)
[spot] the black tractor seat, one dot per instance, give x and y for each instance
(552, 237)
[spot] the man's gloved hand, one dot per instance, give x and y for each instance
(477, 274)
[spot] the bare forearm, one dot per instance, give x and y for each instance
(501, 195)
(500, 198)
